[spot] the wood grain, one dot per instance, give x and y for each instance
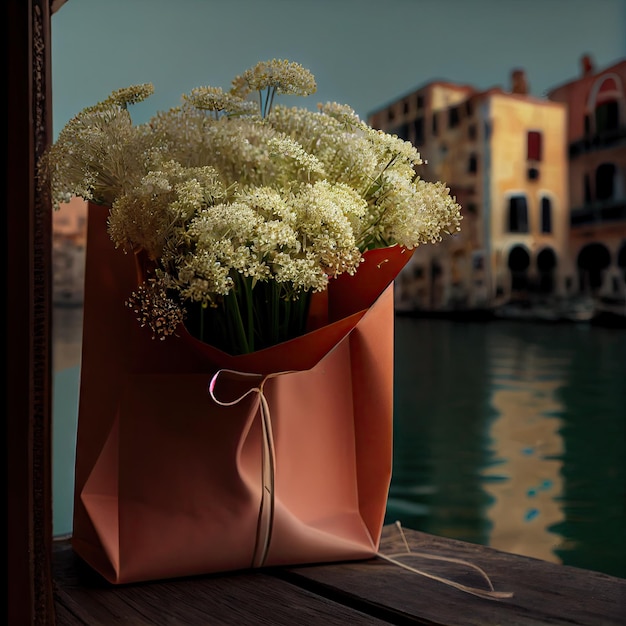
(363, 592)
(544, 593)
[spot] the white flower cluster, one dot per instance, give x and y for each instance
(223, 191)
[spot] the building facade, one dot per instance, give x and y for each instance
(541, 186)
(596, 141)
(69, 245)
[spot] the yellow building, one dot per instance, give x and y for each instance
(503, 155)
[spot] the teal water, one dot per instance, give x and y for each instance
(513, 435)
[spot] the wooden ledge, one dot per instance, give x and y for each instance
(365, 592)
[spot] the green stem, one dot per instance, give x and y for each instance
(275, 304)
(246, 289)
(240, 341)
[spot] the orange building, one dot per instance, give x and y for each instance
(69, 242)
(596, 139)
(503, 155)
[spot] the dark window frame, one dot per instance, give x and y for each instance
(517, 215)
(605, 181)
(454, 117)
(546, 215)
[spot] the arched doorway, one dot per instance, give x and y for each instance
(546, 265)
(518, 264)
(593, 259)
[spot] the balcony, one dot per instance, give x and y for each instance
(599, 141)
(600, 211)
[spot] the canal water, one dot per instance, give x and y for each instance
(508, 434)
(513, 435)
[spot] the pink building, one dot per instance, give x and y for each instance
(69, 241)
(596, 139)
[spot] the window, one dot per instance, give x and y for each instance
(605, 176)
(420, 102)
(418, 128)
(606, 112)
(607, 116)
(518, 214)
(405, 106)
(587, 190)
(391, 114)
(472, 165)
(533, 151)
(402, 131)
(471, 132)
(469, 107)
(453, 117)
(533, 173)
(435, 130)
(546, 215)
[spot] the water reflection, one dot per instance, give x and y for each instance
(513, 435)
(523, 477)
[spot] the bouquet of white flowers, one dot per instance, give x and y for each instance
(241, 209)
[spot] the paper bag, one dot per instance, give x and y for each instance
(191, 461)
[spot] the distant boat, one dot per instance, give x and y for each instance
(525, 310)
(577, 310)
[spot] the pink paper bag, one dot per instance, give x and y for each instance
(191, 461)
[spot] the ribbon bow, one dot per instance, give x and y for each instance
(266, 507)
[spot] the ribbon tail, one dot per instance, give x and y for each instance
(265, 520)
(490, 593)
(266, 511)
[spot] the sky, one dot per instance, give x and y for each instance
(365, 53)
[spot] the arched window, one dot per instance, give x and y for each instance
(607, 116)
(606, 104)
(518, 214)
(546, 215)
(607, 107)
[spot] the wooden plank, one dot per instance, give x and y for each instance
(365, 592)
(544, 593)
(83, 598)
